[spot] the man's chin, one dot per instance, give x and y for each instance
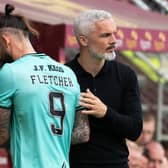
(110, 56)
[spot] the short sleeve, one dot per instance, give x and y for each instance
(6, 86)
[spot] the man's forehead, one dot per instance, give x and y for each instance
(106, 24)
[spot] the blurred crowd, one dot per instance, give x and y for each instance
(147, 152)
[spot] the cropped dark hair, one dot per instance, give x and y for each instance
(15, 21)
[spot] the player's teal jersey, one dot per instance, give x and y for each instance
(42, 94)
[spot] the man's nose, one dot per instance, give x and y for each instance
(112, 40)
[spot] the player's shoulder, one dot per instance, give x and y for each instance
(67, 68)
(64, 67)
(6, 75)
(5, 69)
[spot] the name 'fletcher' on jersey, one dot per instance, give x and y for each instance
(49, 79)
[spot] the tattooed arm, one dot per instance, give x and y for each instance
(4, 124)
(81, 130)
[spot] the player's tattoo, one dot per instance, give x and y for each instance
(81, 130)
(4, 124)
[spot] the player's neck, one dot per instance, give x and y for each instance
(23, 49)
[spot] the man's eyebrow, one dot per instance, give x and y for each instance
(105, 34)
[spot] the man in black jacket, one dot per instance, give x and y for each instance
(110, 94)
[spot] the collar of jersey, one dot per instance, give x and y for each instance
(34, 54)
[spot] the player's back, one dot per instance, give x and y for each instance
(45, 95)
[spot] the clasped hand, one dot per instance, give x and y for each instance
(93, 104)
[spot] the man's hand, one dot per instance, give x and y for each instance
(93, 104)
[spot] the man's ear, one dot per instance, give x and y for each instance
(83, 40)
(6, 40)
